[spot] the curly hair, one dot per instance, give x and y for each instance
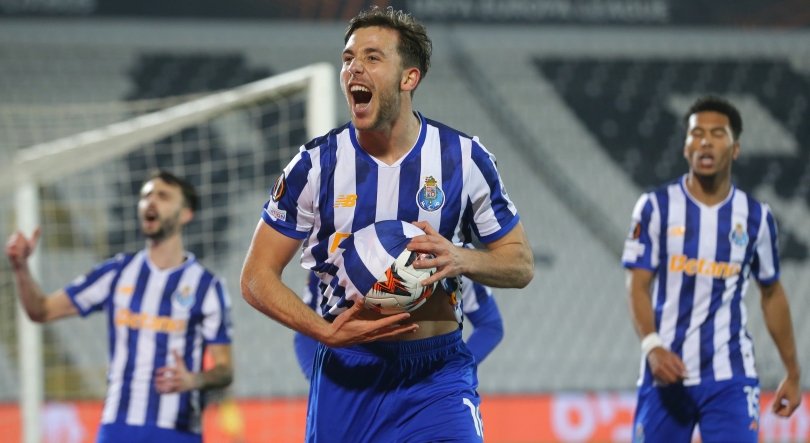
(415, 47)
(721, 106)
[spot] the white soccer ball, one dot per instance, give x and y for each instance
(400, 289)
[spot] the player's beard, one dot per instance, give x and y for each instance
(168, 227)
(389, 102)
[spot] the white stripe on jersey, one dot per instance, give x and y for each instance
(669, 316)
(170, 403)
(432, 166)
(115, 376)
(145, 352)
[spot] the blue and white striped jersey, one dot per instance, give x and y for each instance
(702, 257)
(152, 312)
(333, 188)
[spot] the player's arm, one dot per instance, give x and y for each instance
(177, 378)
(508, 261)
(269, 253)
(776, 312)
(666, 366)
(39, 307)
(487, 330)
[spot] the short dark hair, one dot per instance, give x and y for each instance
(720, 105)
(414, 45)
(190, 198)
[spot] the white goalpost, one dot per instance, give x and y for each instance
(229, 142)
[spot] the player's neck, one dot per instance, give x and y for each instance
(395, 140)
(166, 253)
(708, 190)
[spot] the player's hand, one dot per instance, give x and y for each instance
(349, 328)
(174, 379)
(448, 259)
(666, 366)
(19, 248)
(788, 397)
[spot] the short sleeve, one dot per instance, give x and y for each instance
(89, 292)
(290, 209)
(493, 213)
(216, 326)
(765, 263)
(641, 244)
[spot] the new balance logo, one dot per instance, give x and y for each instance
(346, 200)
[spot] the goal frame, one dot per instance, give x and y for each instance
(46, 162)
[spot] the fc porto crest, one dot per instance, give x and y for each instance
(738, 236)
(431, 197)
(183, 298)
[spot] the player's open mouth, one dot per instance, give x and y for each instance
(706, 160)
(361, 96)
(150, 216)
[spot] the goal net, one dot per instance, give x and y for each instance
(82, 189)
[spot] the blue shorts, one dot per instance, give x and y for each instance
(395, 392)
(726, 411)
(124, 433)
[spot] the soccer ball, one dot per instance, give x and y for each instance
(400, 289)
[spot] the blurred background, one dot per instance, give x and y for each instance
(580, 101)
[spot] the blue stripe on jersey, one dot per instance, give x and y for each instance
(366, 178)
(644, 237)
(722, 255)
(452, 181)
(734, 352)
(110, 306)
(408, 187)
(184, 407)
(326, 201)
(687, 297)
(467, 225)
(361, 278)
(132, 340)
(390, 237)
(662, 197)
(161, 341)
(500, 205)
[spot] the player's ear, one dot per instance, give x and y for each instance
(186, 215)
(410, 78)
(735, 150)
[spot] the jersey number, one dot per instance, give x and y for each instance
(476, 415)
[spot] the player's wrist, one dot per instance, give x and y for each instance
(650, 342)
(197, 381)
